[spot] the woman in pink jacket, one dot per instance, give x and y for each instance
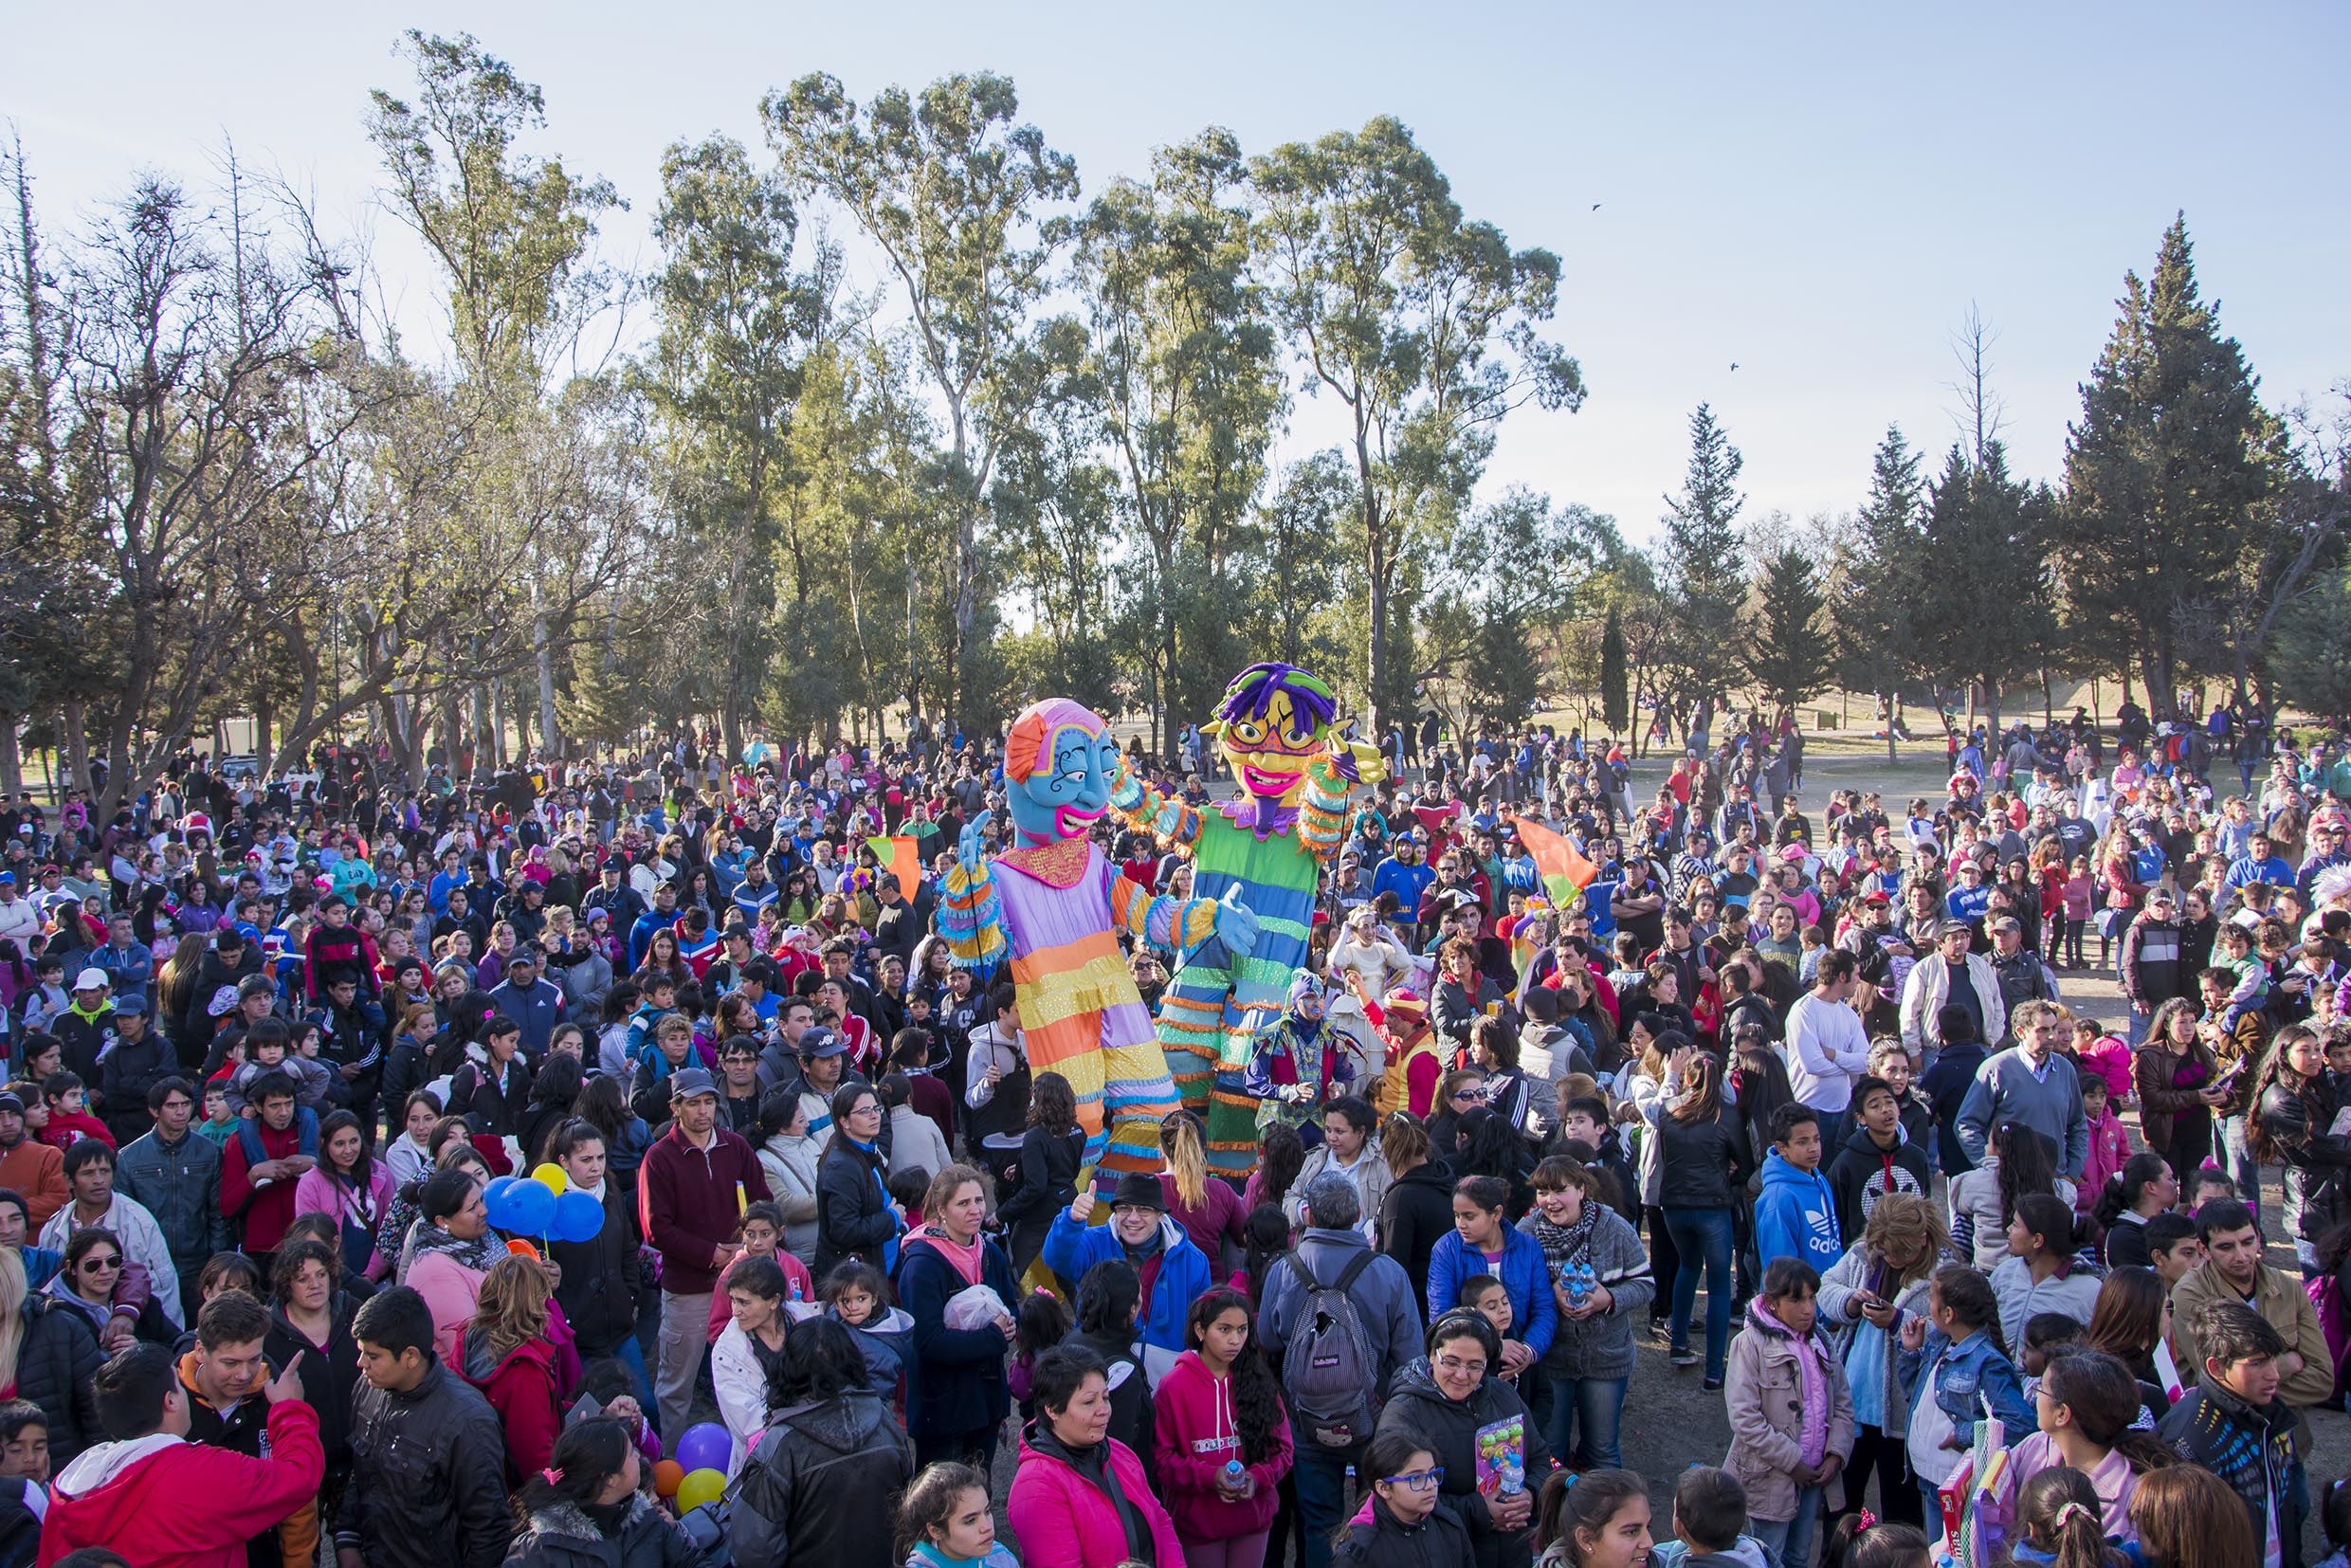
(1218, 1407)
(351, 1186)
(1079, 1497)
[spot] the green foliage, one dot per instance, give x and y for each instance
(1615, 689)
(2311, 659)
(1873, 579)
(1698, 549)
(1785, 652)
(1422, 323)
(1984, 615)
(2167, 471)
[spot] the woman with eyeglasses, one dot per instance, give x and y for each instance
(856, 1217)
(48, 1353)
(1441, 1408)
(1400, 1525)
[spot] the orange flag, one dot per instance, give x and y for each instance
(1566, 871)
(897, 856)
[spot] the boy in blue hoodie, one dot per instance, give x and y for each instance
(1796, 1215)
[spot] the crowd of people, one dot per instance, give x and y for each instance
(279, 1046)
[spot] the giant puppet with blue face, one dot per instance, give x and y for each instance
(1051, 906)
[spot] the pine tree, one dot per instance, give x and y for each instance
(1701, 552)
(2165, 477)
(1785, 654)
(1981, 610)
(1615, 680)
(1871, 581)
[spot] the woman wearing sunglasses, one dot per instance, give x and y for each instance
(93, 1268)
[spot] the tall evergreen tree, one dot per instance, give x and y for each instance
(1982, 607)
(1616, 680)
(1701, 550)
(1783, 651)
(1873, 577)
(2165, 472)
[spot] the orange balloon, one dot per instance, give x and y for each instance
(523, 1250)
(668, 1476)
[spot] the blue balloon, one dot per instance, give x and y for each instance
(530, 1208)
(705, 1447)
(497, 1189)
(578, 1217)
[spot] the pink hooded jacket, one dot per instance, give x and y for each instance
(1194, 1436)
(1064, 1518)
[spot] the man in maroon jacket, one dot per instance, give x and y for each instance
(691, 1191)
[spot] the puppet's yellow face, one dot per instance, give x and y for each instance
(1269, 756)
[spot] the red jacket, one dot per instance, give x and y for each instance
(522, 1389)
(162, 1501)
(64, 1131)
(1194, 1438)
(266, 1210)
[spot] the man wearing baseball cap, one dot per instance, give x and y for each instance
(695, 1182)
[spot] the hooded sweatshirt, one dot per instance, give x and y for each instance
(1796, 1215)
(1194, 1435)
(521, 1387)
(162, 1501)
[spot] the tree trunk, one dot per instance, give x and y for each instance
(11, 760)
(1893, 721)
(544, 650)
(77, 754)
(264, 731)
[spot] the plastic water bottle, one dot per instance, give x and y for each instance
(795, 1289)
(1234, 1475)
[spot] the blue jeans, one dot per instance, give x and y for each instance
(1320, 1475)
(2233, 1154)
(632, 1356)
(1791, 1539)
(1703, 1237)
(1590, 1407)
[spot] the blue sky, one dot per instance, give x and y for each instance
(1816, 192)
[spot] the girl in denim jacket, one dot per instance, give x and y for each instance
(1953, 1372)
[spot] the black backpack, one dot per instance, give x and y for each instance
(1326, 1369)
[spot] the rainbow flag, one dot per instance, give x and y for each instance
(900, 857)
(1565, 872)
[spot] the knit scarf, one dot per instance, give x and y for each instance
(1814, 1443)
(479, 1255)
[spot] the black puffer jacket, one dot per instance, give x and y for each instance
(428, 1477)
(1702, 1163)
(54, 1366)
(821, 1484)
(1449, 1431)
(1417, 1213)
(568, 1535)
(1376, 1539)
(599, 1289)
(2293, 1126)
(853, 1217)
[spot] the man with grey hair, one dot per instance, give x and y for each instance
(1335, 1256)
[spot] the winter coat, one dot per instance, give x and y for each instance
(1376, 1539)
(55, 1363)
(2258, 1453)
(179, 1185)
(739, 1379)
(562, 1536)
(164, 1501)
(1699, 1163)
(2155, 965)
(2314, 1161)
(1194, 1437)
(128, 1073)
(1534, 1313)
(915, 1143)
(1976, 1221)
(887, 1341)
(1418, 1214)
(600, 1281)
(1131, 1412)
(958, 1381)
(492, 1105)
(428, 1477)
(1449, 1431)
(791, 1166)
(1599, 1346)
(1763, 1390)
(853, 1214)
(1369, 1175)
(1838, 1288)
(1863, 1173)
(1071, 1249)
(452, 1291)
(1062, 1510)
(819, 1488)
(1050, 1162)
(1383, 1301)
(522, 1386)
(1796, 1216)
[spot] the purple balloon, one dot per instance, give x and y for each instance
(704, 1447)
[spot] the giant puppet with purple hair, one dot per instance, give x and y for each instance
(1051, 907)
(1264, 852)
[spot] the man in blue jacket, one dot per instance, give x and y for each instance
(1796, 1215)
(1173, 1272)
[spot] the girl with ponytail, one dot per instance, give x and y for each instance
(1950, 1372)
(2143, 1188)
(2057, 1522)
(1210, 1212)
(586, 1503)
